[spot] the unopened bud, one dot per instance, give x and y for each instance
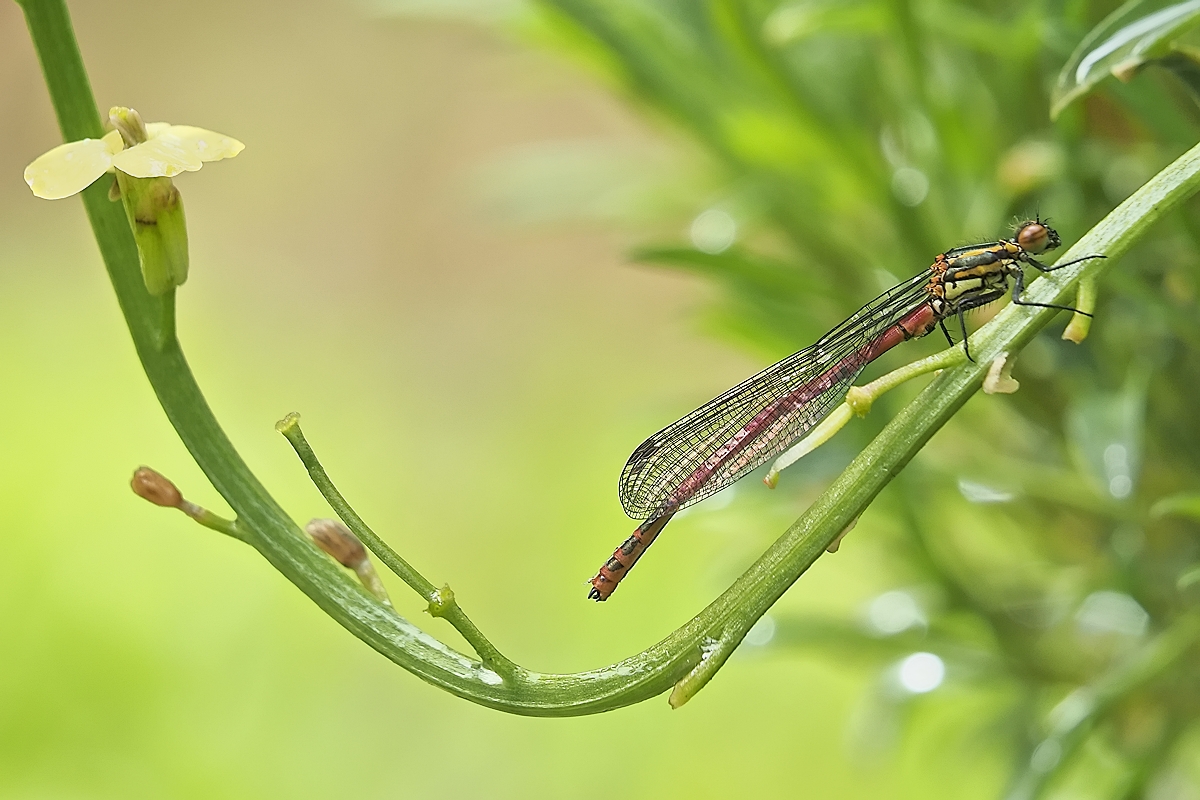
(336, 539)
(155, 487)
(129, 123)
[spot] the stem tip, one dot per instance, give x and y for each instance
(289, 422)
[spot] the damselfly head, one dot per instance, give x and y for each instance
(1036, 237)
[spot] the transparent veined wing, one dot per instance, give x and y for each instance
(735, 432)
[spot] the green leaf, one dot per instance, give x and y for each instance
(1132, 36)
(1178, 505)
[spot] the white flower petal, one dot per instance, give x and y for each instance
(208, 145)
(160, 157)
(70, 168)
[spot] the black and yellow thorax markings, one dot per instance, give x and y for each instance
(972, 276)
(975, 275)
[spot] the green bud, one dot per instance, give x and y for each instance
(129, 123)
(154, 209)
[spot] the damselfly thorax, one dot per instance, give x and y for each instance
(729, 436)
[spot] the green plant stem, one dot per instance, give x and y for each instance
(213, 522)
(655, 670)
(289, 426)
(861, 398)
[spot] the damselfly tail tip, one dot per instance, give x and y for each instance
(594, 593)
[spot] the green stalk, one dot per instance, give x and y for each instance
(266, 527)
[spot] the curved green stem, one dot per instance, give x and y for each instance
(267, 527)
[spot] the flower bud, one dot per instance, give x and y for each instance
(129, 124)
(155, 487)
(336, 539)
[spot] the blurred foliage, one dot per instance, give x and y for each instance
(831, 148)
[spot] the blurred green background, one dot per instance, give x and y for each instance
(430, 249)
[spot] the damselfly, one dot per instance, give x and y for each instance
(761, 417)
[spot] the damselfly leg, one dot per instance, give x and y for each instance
(1019, 283)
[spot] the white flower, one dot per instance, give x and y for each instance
(166, 150)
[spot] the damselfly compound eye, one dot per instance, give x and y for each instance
(1034, 237)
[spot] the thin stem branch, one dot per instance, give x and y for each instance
(289, 426)
(441, 601)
